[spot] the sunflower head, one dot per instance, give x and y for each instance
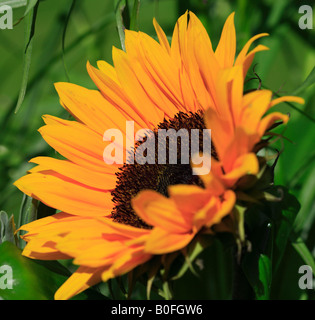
(152, 207)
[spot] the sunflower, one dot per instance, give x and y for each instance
(114, 217)
(238, 126)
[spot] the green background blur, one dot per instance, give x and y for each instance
(90, 35)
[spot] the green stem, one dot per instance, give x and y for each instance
(167, 291)
(119, 13)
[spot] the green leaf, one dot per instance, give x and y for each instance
(269, 228)
(277, 9)
(28, 210)
(257, 264)
(258, 270)
(265, 275)
(282, 215)
(31, 4)
(305, 218)
(64, 38)
(31, 210)
(310, 80)
(7, 228)
(29, 35)
(32, 280)
(122, 20)
(134, 18)
(27, 214)
(301, 248)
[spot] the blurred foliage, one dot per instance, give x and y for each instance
(64, 35)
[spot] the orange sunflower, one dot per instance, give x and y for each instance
(237, 125)
(115, 217)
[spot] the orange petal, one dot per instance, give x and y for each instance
(129, 260)
(94, 179)
(121, 229)
(43, 249)
(162, 70)
(78, 143)
(161, 241)
(188, 198)
(215, 210)
(109, 70)
(256, 104)
(65, 195)
(114, 94)
(178, 45)
(149, 84)
(221, 131)
(269, 120)
(99, 254)
(242, 143)
(157, 210)
(225, 51)
(245, 164)
(91, 108)
(250, 57)
(200, 47)
(243, 58)
(80, 280)
(161, 35)
(141, 101)
(287, 99)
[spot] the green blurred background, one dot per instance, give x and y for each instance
(90, 34)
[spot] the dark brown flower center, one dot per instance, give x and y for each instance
(132, 178)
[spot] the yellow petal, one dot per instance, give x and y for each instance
(225, 51)
(250, 57)
(91, 108)
(99, 254)
(43, 249)
(128, 261)
(287, 99)
(243, 54)
(78, 144)
(115, 95)
(188, 199)
(134, 88)
(66, 195)
(255, 105)
(245, 164)
(178, 45)
(161, 35)
(80, 280)
(215, 210)
(157, 210)
(94, 179)
(221, 131)
(161, 241)
(269, 120)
